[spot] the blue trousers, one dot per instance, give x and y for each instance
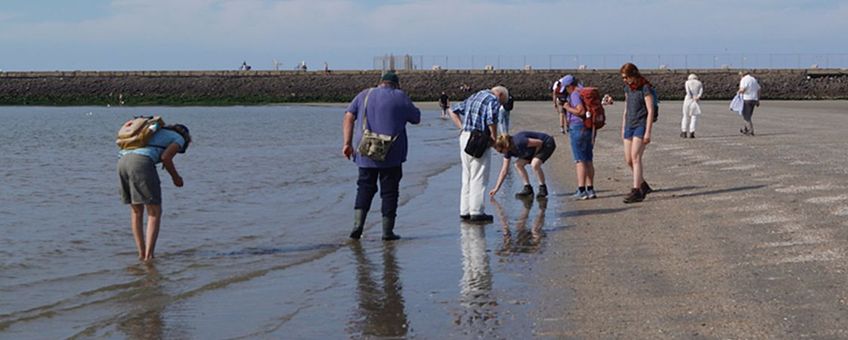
(366, 188)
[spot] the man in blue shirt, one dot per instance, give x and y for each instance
(387, 109)
(480, 113)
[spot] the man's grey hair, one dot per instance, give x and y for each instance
(501, 92)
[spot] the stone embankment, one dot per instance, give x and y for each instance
(264, 87)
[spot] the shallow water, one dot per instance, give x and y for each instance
(255, 244)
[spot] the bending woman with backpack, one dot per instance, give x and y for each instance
(581, 138)
(637, 122)
(140, 186)
(529, 147)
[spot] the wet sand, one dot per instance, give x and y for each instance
(745, 237)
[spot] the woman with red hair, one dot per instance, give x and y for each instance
(637, 122)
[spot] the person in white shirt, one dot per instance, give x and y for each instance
(559, 97)
(749, 88)
(691, 108)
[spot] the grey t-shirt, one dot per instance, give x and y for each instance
(637, 110)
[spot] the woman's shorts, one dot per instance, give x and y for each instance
(581, 143)
(634, 131)
(547, 149)
(139, 181)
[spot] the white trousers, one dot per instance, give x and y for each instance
(475, 178)
(691, 111)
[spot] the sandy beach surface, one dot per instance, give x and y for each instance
(745, 237)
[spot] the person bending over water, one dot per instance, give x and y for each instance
(140, 186)
(529, 147)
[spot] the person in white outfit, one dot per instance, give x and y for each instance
(691, 108)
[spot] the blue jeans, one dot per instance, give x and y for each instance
(581, 143)
(366, 188)
(634, 131)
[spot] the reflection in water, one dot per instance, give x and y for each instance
(524, 240)
(144, 321)
(476, 284)
(381, 307)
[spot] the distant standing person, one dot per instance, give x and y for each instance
(691, 108)
(503, 115)
(559, 97)
(444, 103)
(529, 147)
(391, 109)
(480, 112)
(749, 88)
(581, 138)
(637, 122)
(140, 186)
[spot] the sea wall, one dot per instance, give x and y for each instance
(263, 87)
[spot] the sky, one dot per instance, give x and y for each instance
(48, 35)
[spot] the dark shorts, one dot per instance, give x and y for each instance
(545, 152)
(581, 143)
(139, 181)
(634, 131)
(748, 109)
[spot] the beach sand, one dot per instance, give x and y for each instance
(745, 237)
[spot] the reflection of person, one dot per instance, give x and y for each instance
(581, 138)
(391, 109)
(749, 88)
(529, 147)
(145, 320)
(636, 121)
(140, 186)
(691, 108)
(476, 283)
(381, 306)
(480, 114)
(444, 104)
(525, 240)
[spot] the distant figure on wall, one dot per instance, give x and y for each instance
(245, 66)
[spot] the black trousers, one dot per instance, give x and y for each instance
(366, 188)
(748, 113)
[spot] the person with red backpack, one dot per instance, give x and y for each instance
(581, 136)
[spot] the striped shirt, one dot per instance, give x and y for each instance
(480, 110)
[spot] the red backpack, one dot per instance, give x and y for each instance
(592, 102)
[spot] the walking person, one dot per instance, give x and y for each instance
(479, 113)
(529, 147)
(637, 122)
(140, 186)
(385, 109)
(749, 88)
(444, 104)
(581, 138)
(691, 107)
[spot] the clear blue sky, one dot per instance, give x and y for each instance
(220, 34)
